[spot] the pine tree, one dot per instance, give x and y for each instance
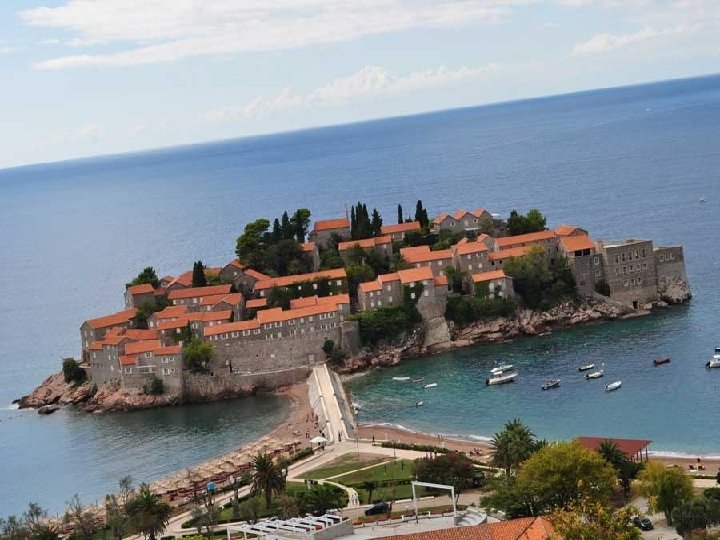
(400, 215)
(198, 277)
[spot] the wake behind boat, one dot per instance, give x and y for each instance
(401, 378)
(501, 379)
(586, 367)
(553, 383)
(613, 386)
(595, 374)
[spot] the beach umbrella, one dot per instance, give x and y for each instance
(318, 439)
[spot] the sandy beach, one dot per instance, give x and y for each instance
(383, 433)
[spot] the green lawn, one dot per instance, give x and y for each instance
(343, 464)
(395, 470)
(391, 493)
(395, 515)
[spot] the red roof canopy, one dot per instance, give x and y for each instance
(630, 447)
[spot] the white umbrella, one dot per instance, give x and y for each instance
(318, 440)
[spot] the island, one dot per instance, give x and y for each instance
(350, 293)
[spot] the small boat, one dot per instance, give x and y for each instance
(613, 386)
(554, 383)
(595, 374)
(502, 368)
(713, 362)
(418, 379)
(356, 406)
(401, 378)
(431, 385)
(586, 367)
(501, 379)
(419, 404)
(661, 361)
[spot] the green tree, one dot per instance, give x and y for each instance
(267, 477)
(455, 276)
(72, 372)
(357, 274)
(13, 528)
(665, 489)
(321, 498)
(588, 520)
(421, 215)
(376, 223)
(148, 513)
(249, 510)
(693, 515)
(535, 221)
(539, 282)
(82, 521)
(626, 469)
(252, 243)
(116, 516)
(370, 486)
(398, 262)
(148, 275)
(400, 214)
(300, 223)
(561, 474)
(513, 445)
(198, 275)
(452, 468)
(279, 297)
(197, 354)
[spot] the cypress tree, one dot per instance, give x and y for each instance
(286, 229)
(376, 223)
(198, 277)
(276, 232)
(353, 223)
(400, 216)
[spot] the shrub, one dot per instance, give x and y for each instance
(466, 309)
(382, 324)
(72, 372)
(415, 447)
(197, 354)
(155, 387)
(328, 346)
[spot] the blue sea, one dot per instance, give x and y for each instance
(621, 162)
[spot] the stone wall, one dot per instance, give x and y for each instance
(223, 384)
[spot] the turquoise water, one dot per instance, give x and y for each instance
(629, 161)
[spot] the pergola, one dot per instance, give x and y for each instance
(299, 527)
(632, 448)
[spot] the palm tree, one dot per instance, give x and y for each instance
(512, 446)
(369, 486)
(149, 514)
(627, 469)
(267, 477)
(322, 498)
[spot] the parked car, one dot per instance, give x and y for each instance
(642, 523)
(378, 508)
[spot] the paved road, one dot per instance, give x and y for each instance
(327, 394)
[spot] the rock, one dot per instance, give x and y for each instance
(436, 331)
(48, 409)
(54, 390)
(674, 291)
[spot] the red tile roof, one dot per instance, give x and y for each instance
(630, 447)
(488, 276)
(96, 346)
(128, 360)
(231, 327)
(416, 255)
(170, 312)
(576, 243)
(400, 227)
(529, 238)
(236, 264)
(137, 347)
(370, 286)
(441, 281)
(507, 253)
(337, 273)
(365, 243)
(143, 288)
(209, 316)
(255, 274)
(172, 324)
(172, 349)
(196, 292)
(141, 334)
(466, 248)
(116, 319)
(231, 298)
(308, 246)
(529, 528)
(413, 275)
(330, 224)
(567, 230)
(256, 303)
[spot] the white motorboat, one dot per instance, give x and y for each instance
(595, 374)
(586, 367)
(714, 361)
(401, 378)
(613, 386)
(553, 383)
(431, 385)
(502, 368)
(501, 379)
(419, 404)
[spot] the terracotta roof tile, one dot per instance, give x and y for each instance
(308, 247)
(170, 312)
(95, 346)
(441, 281)
(172, 324)
(137, 347)
(256, 303)
(413, 275)
(507, 253)
(529, 528)
(400, 227)
(330, 224)
(128, 360)
(196, 292)
(231, 327)
(529, 238)
(370, 286)
(439, 219)
(116, 319)
(172, 349)
(488, 276)
(235, 263)
(231, 298)
(567, 230)
(365, 243)
(141, 334)
(576, 243)
(209, 316)
(337, 273)
(255, 274)
(414, 257)
(143, 288)
(469, 247)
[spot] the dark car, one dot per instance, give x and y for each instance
(643, 524)
(378, 508)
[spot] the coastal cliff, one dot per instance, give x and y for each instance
(524, 322)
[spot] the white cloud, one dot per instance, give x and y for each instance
(155, 31)
(367, 83)
(6, 50)
(606, 42)
(87, 133)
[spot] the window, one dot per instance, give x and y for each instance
(643, 253)
(598, 273)
(426, 293)
(128, 370)
(596, 260)
(661, 257)
(311, 319)
(632, 281)
(639, 280)
(315, 286)
(390, 299)
(469, 266)
(256, 331)
(412, 295)
(625, 283)
(339, 282)
(636, 254)
(387, 288)
(617, 270)
(672, 256)
(148, 355)
(644, 266)
(372, 304)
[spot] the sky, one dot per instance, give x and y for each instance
(87, 77)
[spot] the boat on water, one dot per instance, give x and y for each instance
(401, 378)
(586, 367)
(418, 379)
(714, 361)
(431, 385)
(553, 383)
(501, 379)
(595, 374)
(419, 404)
(613, 386)
(502, 368)
(661, 361)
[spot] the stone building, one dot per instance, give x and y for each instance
(139, 295)
(421, 256)
(382, 245)
(570, 230)
(311, 250)
(585, 263)
(629, 270)
(324, 229)
(471, 256)
(193, 296)
(463, 221)
(672, 279)
(498, 258)
(389, 289)
(546, 239)
(95, 329)
(398, 231)
(232, 271)
(323, 283)
(493, 284)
